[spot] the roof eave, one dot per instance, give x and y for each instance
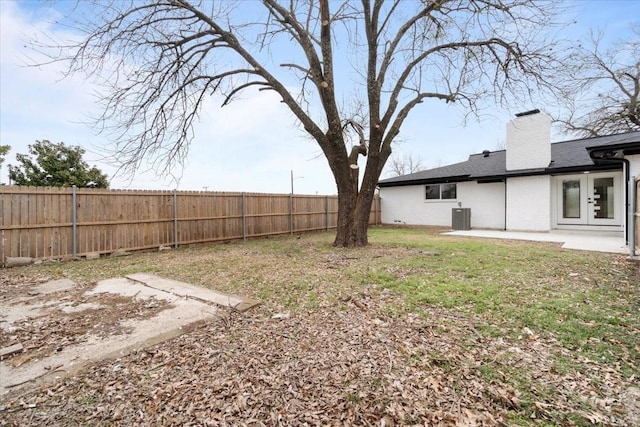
(547, 171)
(423, 181)
(613, 153)
(501, 177)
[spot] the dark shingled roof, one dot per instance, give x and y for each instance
(566, 156)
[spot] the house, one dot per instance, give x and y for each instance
(533, 185)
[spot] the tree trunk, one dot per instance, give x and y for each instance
(354, 202)
(352, 224)
(354, 210)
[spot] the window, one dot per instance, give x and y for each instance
(440, 192)
(448, 191)
(433, 192)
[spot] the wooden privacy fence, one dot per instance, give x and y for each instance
(54, 222)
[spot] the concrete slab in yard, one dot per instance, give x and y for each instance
(55, 286)
(188, 305)
(190, 291)
(585, 241)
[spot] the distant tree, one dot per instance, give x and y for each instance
(605, 95)
(404, 164)
(392, 56)
(56, 165)
(4, 149)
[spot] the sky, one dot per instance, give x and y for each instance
(251, 145)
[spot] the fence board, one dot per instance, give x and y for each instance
(38, 221)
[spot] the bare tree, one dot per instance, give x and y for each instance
(605, 94)
(404, 164)
(159, 60)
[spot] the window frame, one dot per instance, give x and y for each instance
(452, 189)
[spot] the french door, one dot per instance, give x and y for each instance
(589, 199)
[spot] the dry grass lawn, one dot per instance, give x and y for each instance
(416, 329)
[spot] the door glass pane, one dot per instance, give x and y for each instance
(603, 198)
(571, 198)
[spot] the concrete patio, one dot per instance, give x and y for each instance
(611, 242)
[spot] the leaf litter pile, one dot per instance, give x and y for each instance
(361, 337)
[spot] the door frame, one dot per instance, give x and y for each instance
(587, 197)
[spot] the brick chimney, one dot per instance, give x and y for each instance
(529, 141)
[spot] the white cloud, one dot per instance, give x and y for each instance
(250, 145)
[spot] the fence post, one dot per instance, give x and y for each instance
(175, 218)
(375, 210)
(74, 221)
(326, 212)
(244, 216)
(291, 213)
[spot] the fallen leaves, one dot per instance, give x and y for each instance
(323, 351)
(60, 319)
(338, 367)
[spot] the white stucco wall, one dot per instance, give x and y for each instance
(407, 205)
(486, 202)
(634, 165)
(529, 142)
(529, 203)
